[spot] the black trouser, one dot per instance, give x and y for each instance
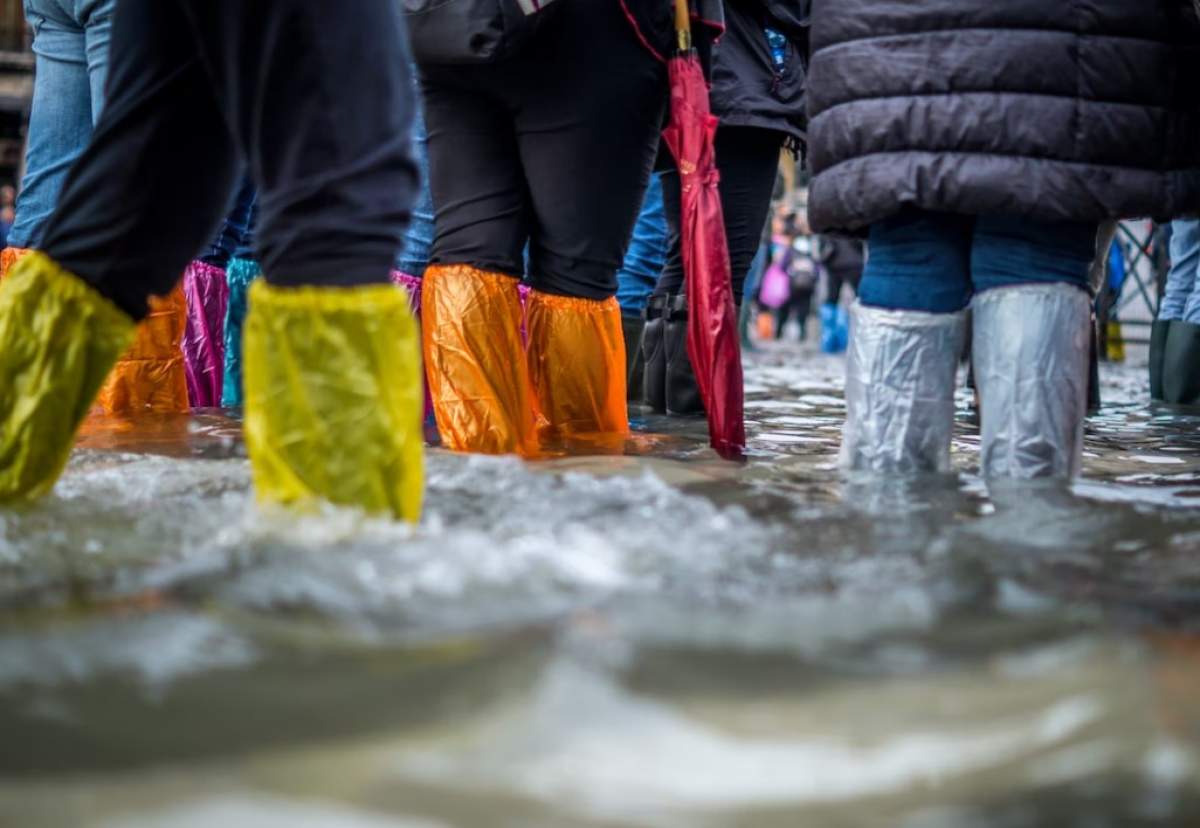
(838, 277)
(748, 160)
(798, 304)
(313, 97)
(552, 148)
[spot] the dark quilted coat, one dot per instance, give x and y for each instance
(1052, 109)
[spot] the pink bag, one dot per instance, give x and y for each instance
(776, 287)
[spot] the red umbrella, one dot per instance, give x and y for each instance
(713, 342)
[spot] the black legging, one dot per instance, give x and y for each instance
(748, 160)
(799, 304)
(317, 105)
(549, 152)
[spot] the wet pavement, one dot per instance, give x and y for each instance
(654, 639)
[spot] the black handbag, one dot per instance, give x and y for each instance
(471, 31)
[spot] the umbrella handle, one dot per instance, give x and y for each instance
(683, 25)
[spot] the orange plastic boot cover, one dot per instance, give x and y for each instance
(9, 256)
(577, 366)
(475, 362)
(151, 376)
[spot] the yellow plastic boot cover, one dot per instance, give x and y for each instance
(58, 340)
(478, 379)
(577, 365)
(151, 377)
(334, 397)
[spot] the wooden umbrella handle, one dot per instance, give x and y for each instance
(683, 25)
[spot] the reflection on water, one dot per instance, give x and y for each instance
(655, 638)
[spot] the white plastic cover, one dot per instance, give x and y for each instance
(1031, 349)
(900, 375)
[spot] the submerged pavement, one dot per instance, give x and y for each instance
(653, 639)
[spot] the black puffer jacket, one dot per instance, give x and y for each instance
(1051, 109)
(748, 89)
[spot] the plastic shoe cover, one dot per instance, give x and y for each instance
(9, 257)
(830, 337)
(412, 289)
(58, 340)
(577, 367)
(900, 375)
(150, 377)
(239, 274)
(207, 293)
(1031, 347)
(475, 361)
(333, 397)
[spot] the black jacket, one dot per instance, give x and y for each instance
(1055, 110)
(748, 89)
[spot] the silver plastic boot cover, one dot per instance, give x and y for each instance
(1031, 349)
(900, 373)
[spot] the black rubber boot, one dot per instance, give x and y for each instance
(1093, 394)
(631, 327)
(745, 314)
(1180, 364)
(683, 394)
(654, 377)
(1159, 332)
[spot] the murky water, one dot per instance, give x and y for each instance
(658, 639)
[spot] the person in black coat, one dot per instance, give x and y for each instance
(758, 80)
(979, 145)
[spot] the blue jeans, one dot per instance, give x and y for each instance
(758, 267)
(1181, 298)
(70, 42)
(935, 262)
(647, 252)
(418, 238)
(236, 236)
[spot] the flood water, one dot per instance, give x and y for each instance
(656, 639)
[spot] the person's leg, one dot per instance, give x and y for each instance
(418, 238)
(635, 282)
(1185, 263)
(589, 105)
(905, 336)
(96, 18)
(60, 118)
(781, 318)
(206, 287)
(119, 227)
(654, 337)
(919, 262)
(830, 333)
(646, 254)
(803, 300)
(748, 161)
(474, 354)
(749, 306)
(1031, 343)
(118, 235)
(320, 102)
(1180, 356)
